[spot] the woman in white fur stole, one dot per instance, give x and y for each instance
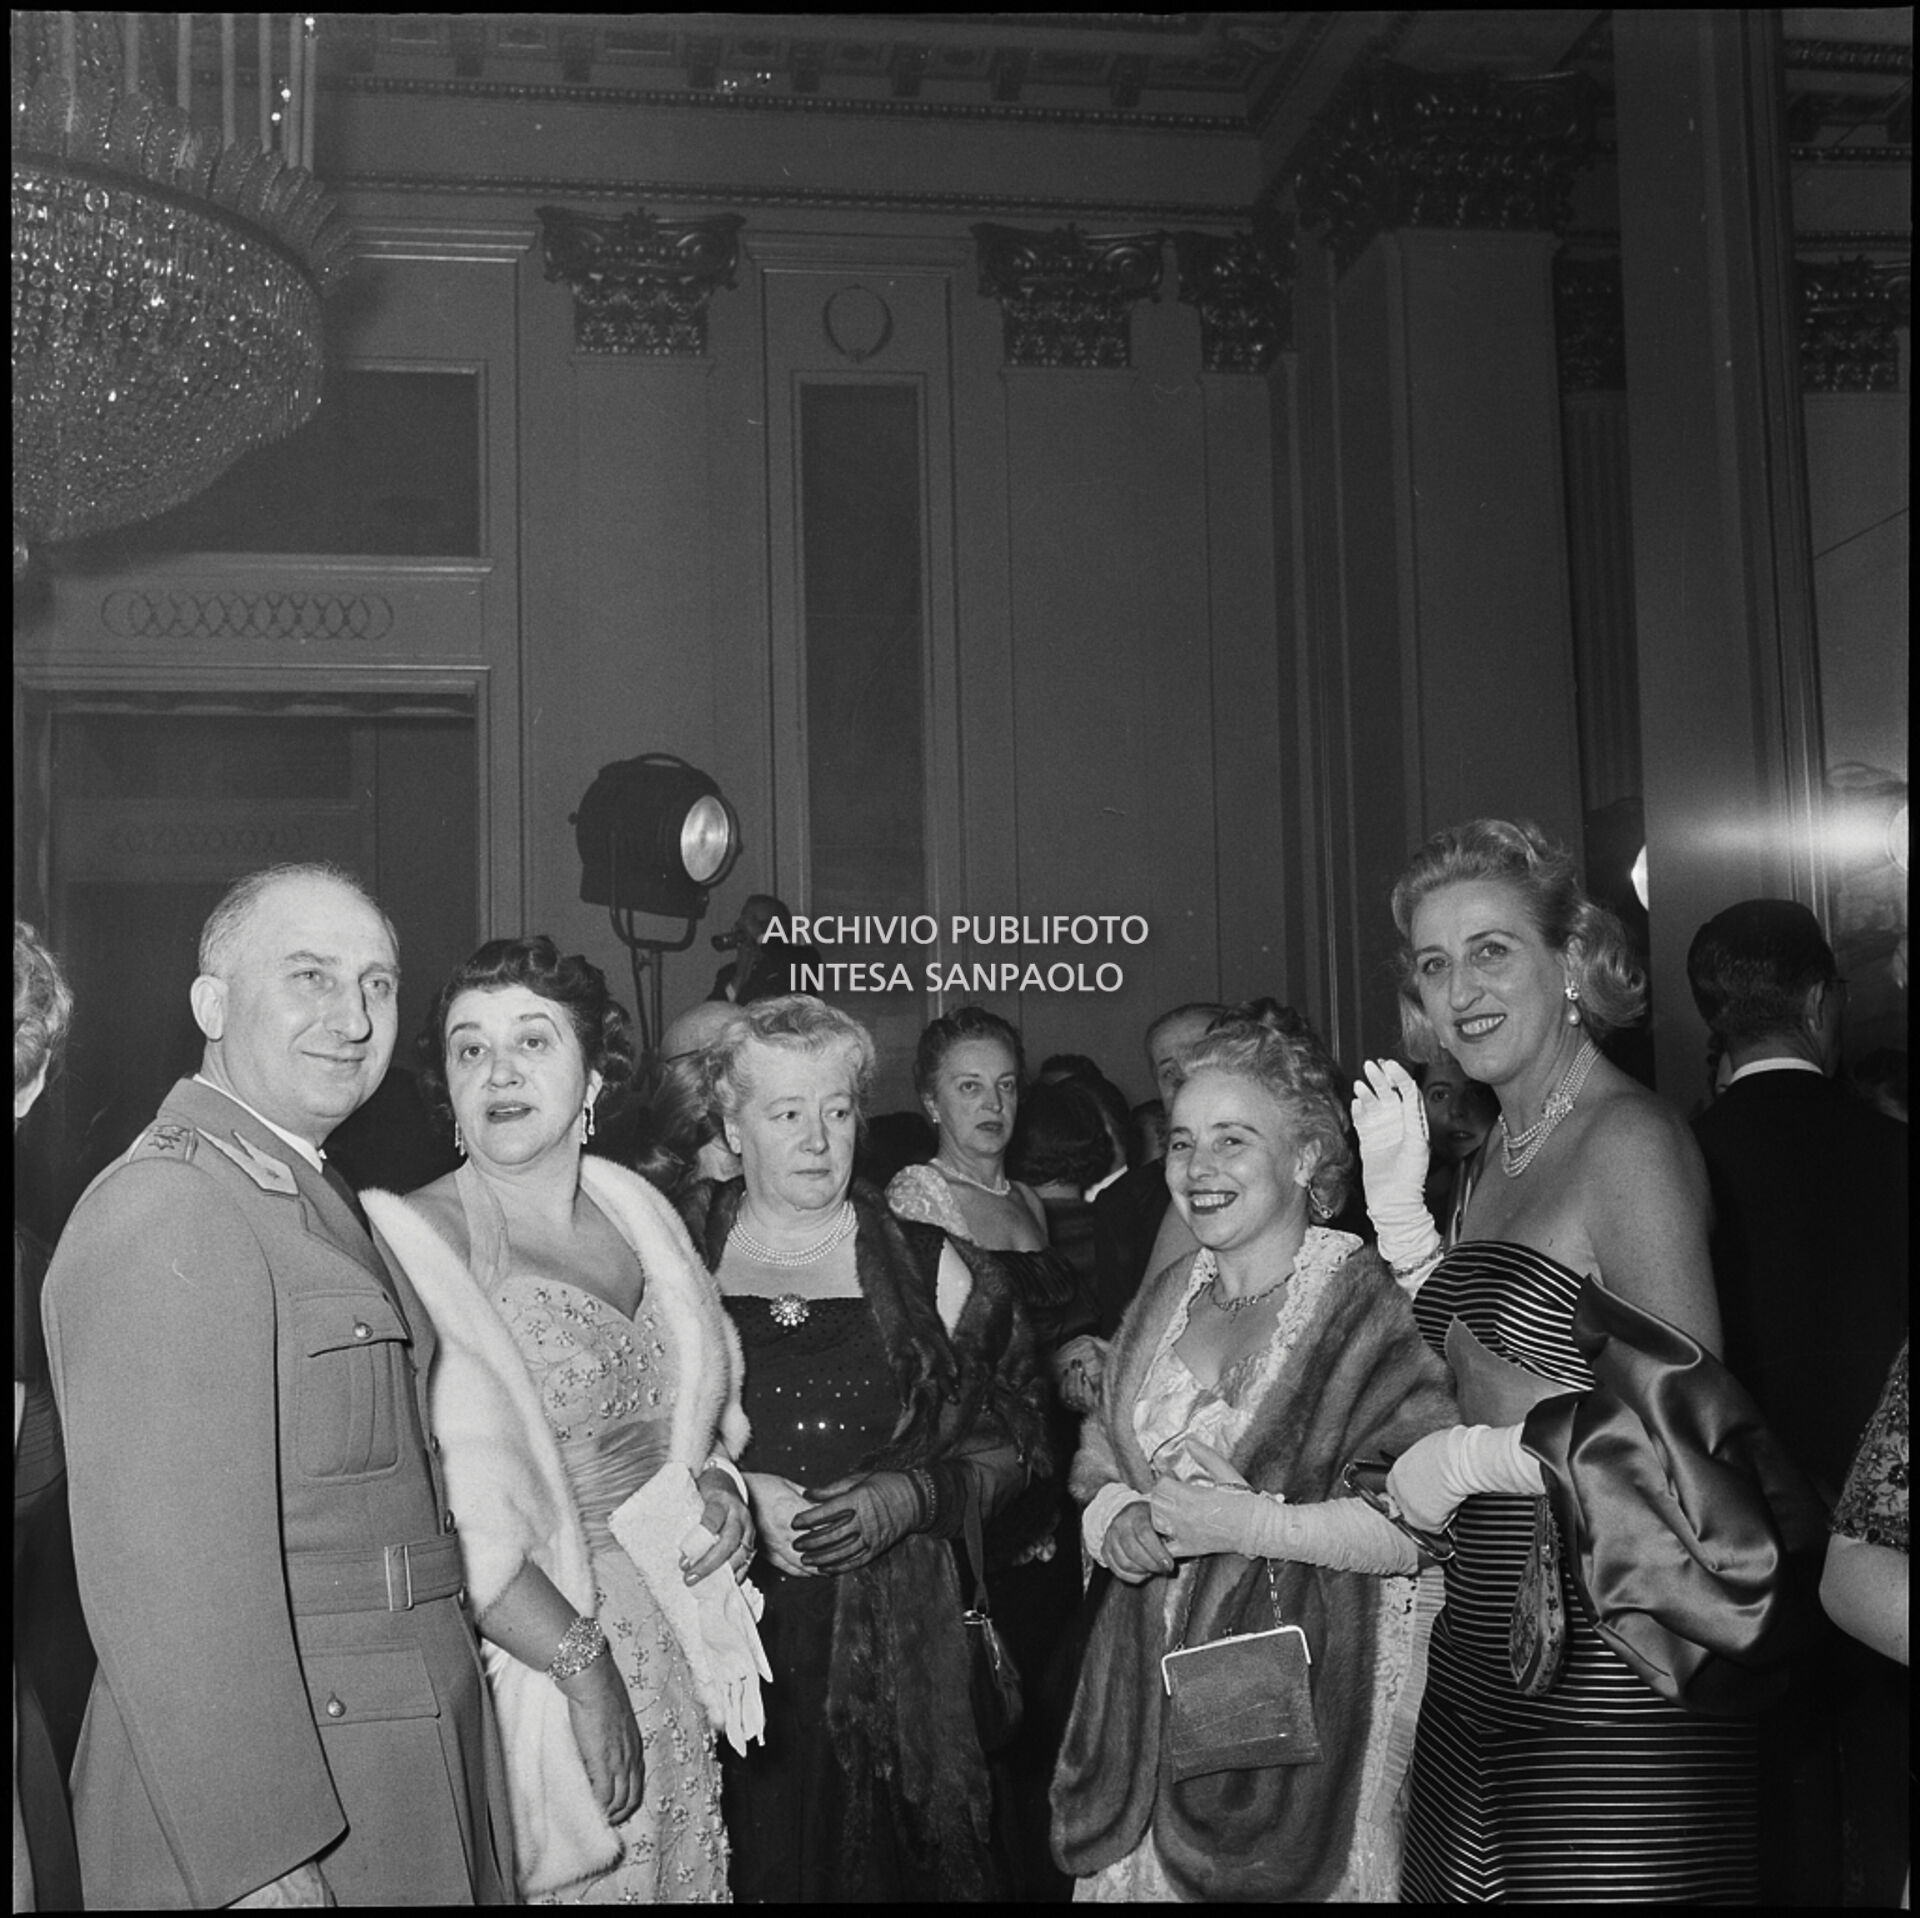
(583, 1354)
(1242, 1383)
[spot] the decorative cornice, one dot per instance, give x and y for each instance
(1847, 56)
(534, 93)
(1244, 297)
(1885, 154)
(1849, 312)
(536, 186)
(1066, 297)
(641, 285)
(1590, 326)
(1396, 147)
(300, 617)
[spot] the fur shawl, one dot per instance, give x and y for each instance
(507, 1483)
(1359, 1383)
(898, 1700)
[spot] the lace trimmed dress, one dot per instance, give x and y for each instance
(1176, 1406)
(605, 1384)
(1601, 1790)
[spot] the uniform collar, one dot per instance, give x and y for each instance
(305, 1147)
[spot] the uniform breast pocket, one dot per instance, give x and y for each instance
(354, 1381)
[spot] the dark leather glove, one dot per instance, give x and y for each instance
(852, 1522)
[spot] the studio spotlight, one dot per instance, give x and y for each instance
(655, 836)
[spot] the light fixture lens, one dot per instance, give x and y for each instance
(1639, 877)
(1897, 839)
(706, 836)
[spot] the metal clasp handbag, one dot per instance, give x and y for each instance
(1240, 1703)
(992, 1678)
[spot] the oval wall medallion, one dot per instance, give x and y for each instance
(858, 323)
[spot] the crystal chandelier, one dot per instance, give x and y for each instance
(167, 275)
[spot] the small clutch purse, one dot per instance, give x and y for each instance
(1537, 1632)
(1241, 1703)
(992, 1679)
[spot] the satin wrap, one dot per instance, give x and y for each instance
(1689, 1532)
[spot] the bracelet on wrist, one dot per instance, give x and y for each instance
(580, 1644)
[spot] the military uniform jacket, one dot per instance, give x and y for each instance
(242, 1384)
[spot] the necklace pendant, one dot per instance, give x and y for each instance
(789, 1311)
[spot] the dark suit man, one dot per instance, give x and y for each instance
(290, 1706)
(766, 967)
(1810, 1262)
(1127, 1213)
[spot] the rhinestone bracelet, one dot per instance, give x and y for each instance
(580, 1644)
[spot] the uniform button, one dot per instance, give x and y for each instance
(335, 1709)
(435, 1443)
(460, 1597)
(446, 1524)
(362, 1330)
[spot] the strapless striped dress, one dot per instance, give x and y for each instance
(1602, 1789)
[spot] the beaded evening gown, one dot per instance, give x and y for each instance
(821, 1397)
(1601, 1790)
(605, 1383)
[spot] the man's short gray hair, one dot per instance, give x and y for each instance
(226, 925)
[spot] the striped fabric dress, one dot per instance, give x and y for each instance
(1601, 1790)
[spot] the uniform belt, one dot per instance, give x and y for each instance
(382, 1578)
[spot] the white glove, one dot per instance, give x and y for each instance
(1344, 1534)
(1390, 1117)
(1432, 1476)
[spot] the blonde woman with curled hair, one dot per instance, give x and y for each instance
(1590, 1784)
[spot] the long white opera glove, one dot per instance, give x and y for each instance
(1432, 1476)
(1390, 1117)
(1343, 1534)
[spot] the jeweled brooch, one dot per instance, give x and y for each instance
(789, 1310)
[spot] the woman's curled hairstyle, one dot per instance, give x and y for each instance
(1298, 1073)
(794, 1022)
(1611, 981)
(42, 1007)
(942, 1035)
(573, 982)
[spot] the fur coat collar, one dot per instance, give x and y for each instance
(898, 1698)
(507, 1482)
(1359, 1383)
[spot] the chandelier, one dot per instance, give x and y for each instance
(167, 275)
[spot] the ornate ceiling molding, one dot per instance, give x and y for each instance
(1244, 297)
(539, 93)
(538, 186)
(1066, 297)
(641, 285)
(1396, 147)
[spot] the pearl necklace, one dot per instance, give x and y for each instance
(837, 1233)
(1518, 1150)
(999, 1191)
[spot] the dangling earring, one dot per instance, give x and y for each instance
(1573, 1003)
(1320, 1208)
(586, 1123)
(459, 1144)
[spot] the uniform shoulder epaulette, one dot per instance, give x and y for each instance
(166, 1140)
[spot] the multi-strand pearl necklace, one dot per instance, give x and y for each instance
(1518, 1150)
(841, 1230)
(999, 1191)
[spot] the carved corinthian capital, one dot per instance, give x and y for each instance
(1065, 296)
(1397, 148)
(1244, 296)
(640, 285)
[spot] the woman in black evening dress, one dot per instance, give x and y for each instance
(968, 1071)
(889, 1379)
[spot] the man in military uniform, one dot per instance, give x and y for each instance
(290, 1706)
